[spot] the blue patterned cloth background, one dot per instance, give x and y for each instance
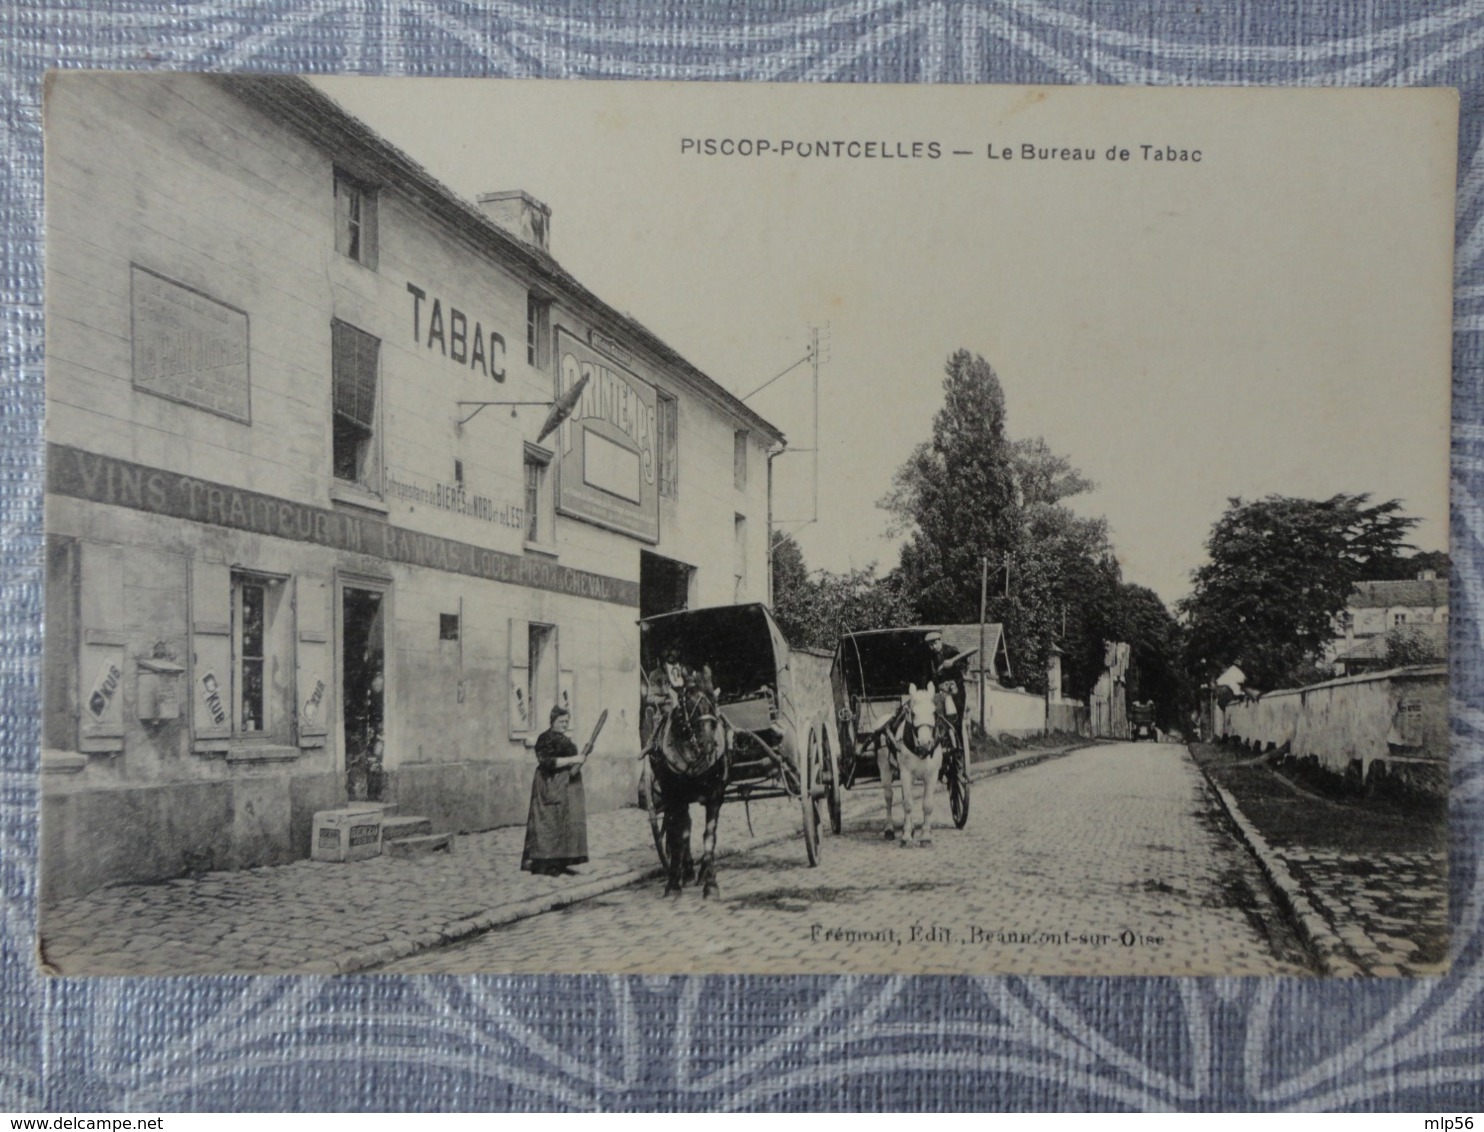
(736, 1043)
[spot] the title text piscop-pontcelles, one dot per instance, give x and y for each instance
(916, 149)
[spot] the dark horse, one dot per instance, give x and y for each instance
(690, 759)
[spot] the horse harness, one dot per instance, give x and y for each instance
(690, 706)
(942, 733)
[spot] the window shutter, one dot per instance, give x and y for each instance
(353, 363)
(549, 694)
(101, 649)
(522, 715)
(369, 240)
(342, 217)
(211, 653)
(313, 667)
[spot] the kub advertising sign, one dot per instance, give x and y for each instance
(606, 449)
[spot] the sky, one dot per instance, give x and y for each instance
(1273, 318)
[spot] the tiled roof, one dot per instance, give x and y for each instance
(1435, 633)
(966, 637)
(1415, 593)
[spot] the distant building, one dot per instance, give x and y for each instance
(1377, 607)
(993, 662)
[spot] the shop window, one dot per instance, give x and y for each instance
(739, 555)
(538, 331)
(667, 426)
(739, 460)
(355, 220)
(354, 367)
(540, 512)
(258, 708)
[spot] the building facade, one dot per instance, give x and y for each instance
(1376, 608)
(300, 547)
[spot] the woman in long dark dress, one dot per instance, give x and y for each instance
(556, 828)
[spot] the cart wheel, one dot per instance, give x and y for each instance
(958, 790)
(649, 796)
(846, 756)
(831, 768)
(808, 776)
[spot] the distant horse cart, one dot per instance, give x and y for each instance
(724, 721)
(1141, 723)
(896, 709)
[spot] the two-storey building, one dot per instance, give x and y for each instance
(304, 541)
(1377, 608)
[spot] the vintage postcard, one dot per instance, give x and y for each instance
(662, 528)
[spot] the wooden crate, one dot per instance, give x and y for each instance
(346, 835)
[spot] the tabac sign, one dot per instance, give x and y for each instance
(606, 450)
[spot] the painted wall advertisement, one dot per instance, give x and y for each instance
(606, 466)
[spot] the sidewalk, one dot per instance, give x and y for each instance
(1367, 890)
(318, 917)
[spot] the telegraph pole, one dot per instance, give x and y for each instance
(814, 364)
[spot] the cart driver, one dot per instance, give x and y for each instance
(949, 667)
(665, 682)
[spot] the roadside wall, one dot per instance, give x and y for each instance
(1372, 729)
(1068, 717)
(1014, 713)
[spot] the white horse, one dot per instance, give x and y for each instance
(916, 748)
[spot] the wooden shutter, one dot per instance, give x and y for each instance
(549, 689)
(314, 668)
(353, 365)
(211, 653)
(101, 649)
(522, 714)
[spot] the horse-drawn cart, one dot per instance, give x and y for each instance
(871, 676)
(726, 719)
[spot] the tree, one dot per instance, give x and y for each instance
(1400, 568)
(1043, 477)
(970, 494)
(1156, 652)
(955, 497)
(1409, 644)
(1280, 569)
(814, 609)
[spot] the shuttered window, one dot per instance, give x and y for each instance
(668, 444)
(354, 372)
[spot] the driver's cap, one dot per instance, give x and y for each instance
(933, 635)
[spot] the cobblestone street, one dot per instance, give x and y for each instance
(1106, 861)
(1390, 914)
(323, 917)
(1110, 859)
(1369, 878)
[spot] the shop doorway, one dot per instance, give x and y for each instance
(664, 584)
(363, 664)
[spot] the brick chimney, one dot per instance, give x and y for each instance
(520, 214)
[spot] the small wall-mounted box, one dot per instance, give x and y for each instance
(345, 835)
(158, 689)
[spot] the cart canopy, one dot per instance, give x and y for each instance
(882, 662)
(742, 644)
